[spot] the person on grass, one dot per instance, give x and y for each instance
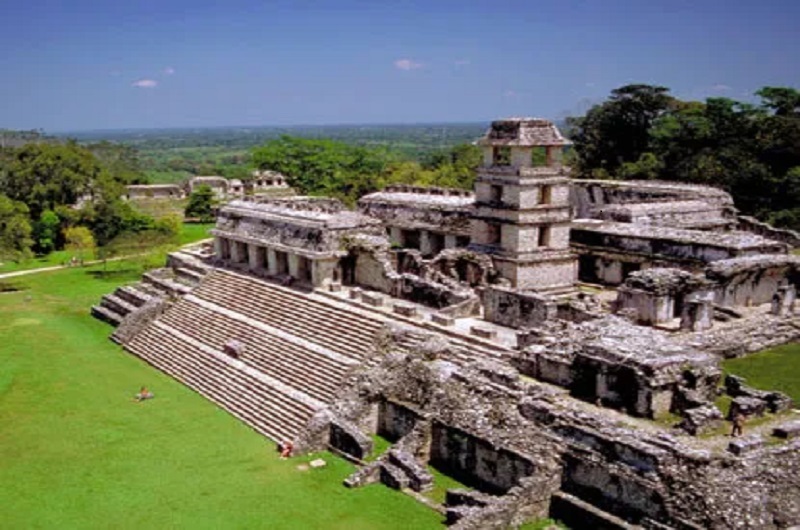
(143, 394)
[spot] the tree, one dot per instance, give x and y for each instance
(617, 131)
(201, 204)
(44, 176)
(324, 167)
(47, 232)
(15, 230)
(120, 161)
(79, 239)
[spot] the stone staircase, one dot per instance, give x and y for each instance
(116, 306)
(297, 350)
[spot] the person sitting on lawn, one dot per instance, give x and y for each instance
(286, 450)
(143, 394)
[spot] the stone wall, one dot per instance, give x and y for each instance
(751, 224)
(515, 309)
(476, 462)
(588, 195)
(530, 445)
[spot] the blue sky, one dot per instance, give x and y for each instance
(103, 64)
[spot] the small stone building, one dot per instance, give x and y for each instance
(301, 238)
(427, 219)
(153, 191)
(610, 251)
(219, 185)
(265, 179)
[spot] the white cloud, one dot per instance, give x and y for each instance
(145, 83)
(407, 64)
(719, 87)
(169, 70)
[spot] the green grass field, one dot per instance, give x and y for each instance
(773, 369)
(190, 232)
(77, 452)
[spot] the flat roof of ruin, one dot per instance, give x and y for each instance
(209, 178)
(294, 210)
(645, 208)
(727, 267)
(419, 199)
(736, 240)
(618, 340)
(706, 191)
(523, 132)
(151, 186)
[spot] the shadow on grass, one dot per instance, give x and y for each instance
(116, 274)
(12, 287)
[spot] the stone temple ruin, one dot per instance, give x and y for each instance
(554, 344)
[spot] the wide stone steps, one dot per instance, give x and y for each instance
(117, 304)
(314, 373)
(133, 294)
(268, 410)
(106, 315)
(297, 302)
(342, 331)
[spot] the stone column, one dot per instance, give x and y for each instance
(236, 257)
(697, 315)
(294, 265)
(396, 235)
(255, 258)
(425, 243)
(272, 262)
(450, 241)
(218, 247)
(783, 300)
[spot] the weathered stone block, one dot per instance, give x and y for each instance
(393, 476)
(442, 319)
(355, 293)
(419, 479)
(372, 299)
(701, 420)
(461, 497)
(745, 445)
(787, 430)
(335, 287)
(482, 332)
(747, 406)
(405, 309)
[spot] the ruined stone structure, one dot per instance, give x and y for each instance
(425, 219)
(522, 213)
(219, 185)
(154, 191)
(453, 324)
(299, 238)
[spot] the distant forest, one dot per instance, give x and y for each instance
(170, 155)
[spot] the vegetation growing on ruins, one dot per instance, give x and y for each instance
(751, 151)
(77, 452)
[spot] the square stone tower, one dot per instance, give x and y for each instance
(522, 213)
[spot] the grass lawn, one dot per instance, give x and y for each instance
(77, 452)
(190, 232)
(773, 369)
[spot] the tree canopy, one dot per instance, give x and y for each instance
(15, 230)
(326, 167)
